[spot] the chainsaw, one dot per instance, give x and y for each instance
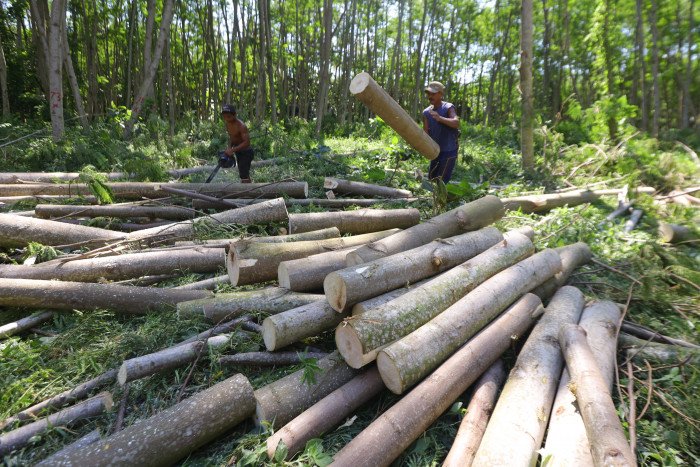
(225, 162)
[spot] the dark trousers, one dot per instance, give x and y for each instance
(442, 167)
(244, 158)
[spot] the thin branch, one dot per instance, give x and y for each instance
(601, 264)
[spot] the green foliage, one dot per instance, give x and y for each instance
(41, 252)
(310, 367)
(96, 183)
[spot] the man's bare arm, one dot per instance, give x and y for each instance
(452, 120)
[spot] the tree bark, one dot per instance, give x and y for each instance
(322, 234)
(3, 85)
(541, 203)
(253, 262)
(55, 63)
(519, 420)
(173, 433)
(23, 324)
(572, 257)
(632, 222)
(609, 445)
(361, 221)
(266, 358)
(82, 442)
(18, 231)
(366, 305)
(321, 202)
(326, 413)
(324, 64)
(299, 323)
(380, 102)
(527, 142)
(307, 274)
(347, 187)
(351, 285)
(393, 431)
(72, 79)
(175, 213)
(206, 284)
(674, 233)
(468, 217)
(473, 425)
(640, 350)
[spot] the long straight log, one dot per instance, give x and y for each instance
(519, 420)
(609, 445)
(23, 324)
(331, 232)
(567, 443)
(58, 295)
(253, 262)
(361, 337)
(175, 213)
(266, 358)
(119, 226)
(366, 305)
(347, 187)
(648, 334)
(46, 199)
(393, 431)
(541, 203)
(121, 267)
(381, 103)
(326, 413)
(307, 274)
(639, 350)
(473, 425)
(299, 323)
(172, 434)
(353, 284)
(468, 217)
(361, 221)
(321, 202)
(20, 437)
(231, 305)
(402, 365)
(572, 257)
(18, 231)
(281, 401)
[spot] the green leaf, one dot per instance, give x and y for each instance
(280, 452)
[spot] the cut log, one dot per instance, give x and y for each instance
(366, 305)
(307, 274)
(468, 217)
(408, 360)
(254, 262)
(206, 284)
(473, 425)
(645, 333)
(361, 337)
(541, 203)
(572, 257)
(281, 401)
(230, 305)
(567, 443)
(360, 221)
(609, 445)
(173, 433)
(621, 209)
(331, 232)
(299, 323)
(347, 187)
(58, 295)
(47, 199)
(674, 233)
(266, 358)
(222, 328)
(18, 231)
(20, 437)
(86, 440)
(381, 103)
(114, 225)
(121, 267)
(23, 324)
(175, 213)
(639, 350)
(393, 431)
(519, 420)
(322, 202)
(353, 284)
(326, 413)
(632, 222)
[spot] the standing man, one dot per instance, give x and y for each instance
(441, 123)
(239, 142)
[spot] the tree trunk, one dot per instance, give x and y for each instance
(175, 213)
(644, 106)
(20, 437)
(541, 203)
(307, 274)
(173, 433)
(230, 305)
(380, 102)
(253, 262)
(347, 187)
(519, 420)
(266, 358)
(361, 221)
(656, 116)
(687, 99)
(473, 425)
(401, 366)
(282, 400)
(72, 79)
(651, 335)
(609, 445)
(639, 350)
(674, 233)
(572, 257)
(324, 64)
(320, 202)
(58, 295)
(567, 443)
(23, 324)
(527, 123)
(322, 234)
(351, 285)
(18, 231)
(326, 413)
(3, 85)
(299, 323)
(392, 432)
(468, 217)
(55, 62)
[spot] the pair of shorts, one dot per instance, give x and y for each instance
(245, 158)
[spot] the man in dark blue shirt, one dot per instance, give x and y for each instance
(441, 123)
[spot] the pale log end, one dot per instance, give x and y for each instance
(390, 373)
(349, 345)
(269, 334)
(335, 290)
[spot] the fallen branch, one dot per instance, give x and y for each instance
(18, 326)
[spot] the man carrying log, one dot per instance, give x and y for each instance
(239, 142)
(441, 123)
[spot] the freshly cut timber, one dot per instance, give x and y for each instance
(18, 438)
(120, 267)
(86, 440)
(366, 305)
(393, 431)
(353, 284)
(173, 433)
(326, 413)
(347, 187)
(468, 217)
(567, 443)
(59, 295)
(361, 337)
(18, 231)
(572, 257)
(282, 400)
(356, 222)
(408, 360)
(639, 350)
(606, 436)
(541, 203)
(233, 304)
(45, 199)
(267, 358)
(519, 420)
(473, 425)
(253, 262)
(370, 93)
(674, 233)
(331, 232)
(307, 274)
(24, 323)
(174, 213)
(299, 323)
